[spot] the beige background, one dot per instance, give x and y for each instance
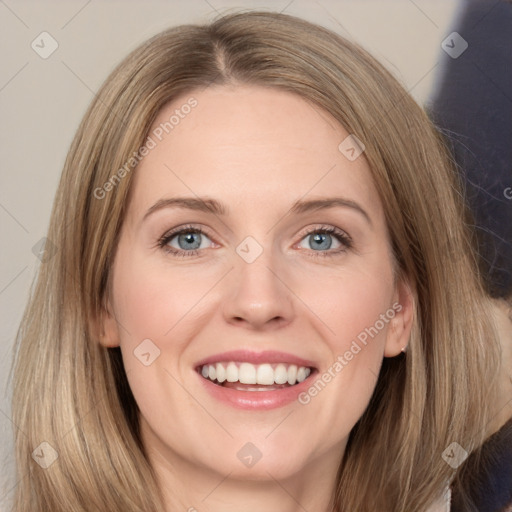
(42, 101)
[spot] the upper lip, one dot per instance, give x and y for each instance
(249, 356)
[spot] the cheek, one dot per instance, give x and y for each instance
(348, 303)
(152, 301)
(354, 313)
(157, 311)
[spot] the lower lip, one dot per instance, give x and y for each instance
(256, 400)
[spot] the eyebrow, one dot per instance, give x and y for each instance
(191, 203)
(213, 206)
(328, 202)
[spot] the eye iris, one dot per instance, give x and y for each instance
(190, 238)
(321, 241)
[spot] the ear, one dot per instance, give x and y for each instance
(107, 328)
(400, 326)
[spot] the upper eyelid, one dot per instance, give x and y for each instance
(171, 233)
(203, 230)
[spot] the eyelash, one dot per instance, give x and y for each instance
(341, 236)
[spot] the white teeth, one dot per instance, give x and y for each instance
(221, 372)
(280, 374)
(292, 375)
(231, 372)
(263, 374)
(247, 373)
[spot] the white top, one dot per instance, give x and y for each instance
(444, 504)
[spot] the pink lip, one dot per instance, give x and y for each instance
(268, 356)
(256, 400)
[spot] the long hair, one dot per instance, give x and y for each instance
(72, 393)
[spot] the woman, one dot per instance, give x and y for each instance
(262, 295)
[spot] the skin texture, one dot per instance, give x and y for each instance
(257, 150)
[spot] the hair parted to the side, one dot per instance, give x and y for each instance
(73, 393)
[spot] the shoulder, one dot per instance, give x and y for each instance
(495, 480)
(490, 485)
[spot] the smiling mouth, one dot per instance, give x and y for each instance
(245, 376)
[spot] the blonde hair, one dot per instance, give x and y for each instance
(73, 393)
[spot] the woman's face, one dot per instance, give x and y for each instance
(254, 252)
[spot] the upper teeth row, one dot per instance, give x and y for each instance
(247, 373)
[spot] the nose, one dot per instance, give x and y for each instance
(257, 295)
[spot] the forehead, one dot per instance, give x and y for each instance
(251, 146)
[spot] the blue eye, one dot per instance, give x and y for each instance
(184, 242)
(190, 240)
(321, 240)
